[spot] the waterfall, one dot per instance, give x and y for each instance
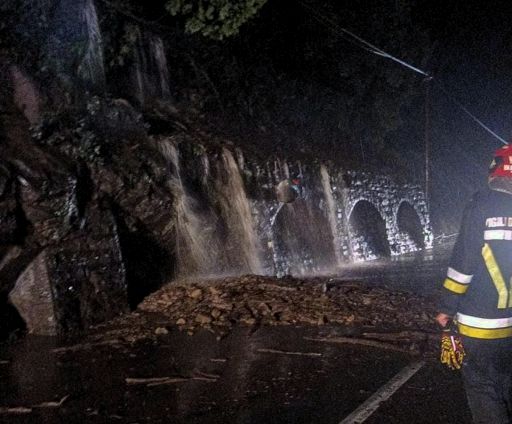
(158, 52)
(237, 214)
(196, 244)
(91, 67)
(331, 212)
(74, 44)
(150, 71)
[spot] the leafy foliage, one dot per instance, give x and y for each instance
(216, 19)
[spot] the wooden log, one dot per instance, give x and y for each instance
(283, 352)
(17, 410)
(363, 342)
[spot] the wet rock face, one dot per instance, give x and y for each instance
(87, 273)
(91, 199)
(8, 208)
(33, 299)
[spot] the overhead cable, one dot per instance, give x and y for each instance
(485, 127)
(369, 47)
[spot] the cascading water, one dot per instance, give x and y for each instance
(331, 213)
(158, 51)
(91, 67)
(196, 245)
(150, 71)
(75, 44)
(237, 215)
(220, 231)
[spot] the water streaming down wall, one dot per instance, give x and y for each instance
(302, 237)
(197, 247)
(327, 226)
(150, 74)
(332, 214)
(237, 213)
(91, 67)
(229, 219)
(215, 229)
(74, 48)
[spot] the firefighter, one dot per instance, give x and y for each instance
(477, 297)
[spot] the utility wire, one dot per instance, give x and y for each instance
(369, 47)
(459, 104)
(324, 20)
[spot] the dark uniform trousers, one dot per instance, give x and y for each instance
(487, 375)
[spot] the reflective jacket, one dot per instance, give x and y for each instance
(478, 284)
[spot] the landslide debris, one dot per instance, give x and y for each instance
(220, 304)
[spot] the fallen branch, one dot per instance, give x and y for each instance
(363, 342)
(52, 404)
(160, 381)
(18, 410)
(85, 346)
(201, 374)
(168, 381)
(208, 379)
(152, 380)
(401, 336)
(283, 352)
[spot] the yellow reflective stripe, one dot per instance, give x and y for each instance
(485, 333)
(497, 277)
(454, 286)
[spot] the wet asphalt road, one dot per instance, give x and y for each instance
(271, 375)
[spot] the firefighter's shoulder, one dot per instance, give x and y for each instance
(480, 196)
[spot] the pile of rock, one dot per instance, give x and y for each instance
(257, 300)
(361, 314)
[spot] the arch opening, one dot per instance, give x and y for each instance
(11, 322)
(367, 228)
(410, 228)
(303, 239)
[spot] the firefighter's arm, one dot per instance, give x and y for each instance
(460, 272)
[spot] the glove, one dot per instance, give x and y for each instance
(452, 350)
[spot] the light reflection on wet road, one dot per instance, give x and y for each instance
(420, 272)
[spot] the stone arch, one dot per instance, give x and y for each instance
(368, 232)
(410, 227)
(303, 239)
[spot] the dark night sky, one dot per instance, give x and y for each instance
(472, 59)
